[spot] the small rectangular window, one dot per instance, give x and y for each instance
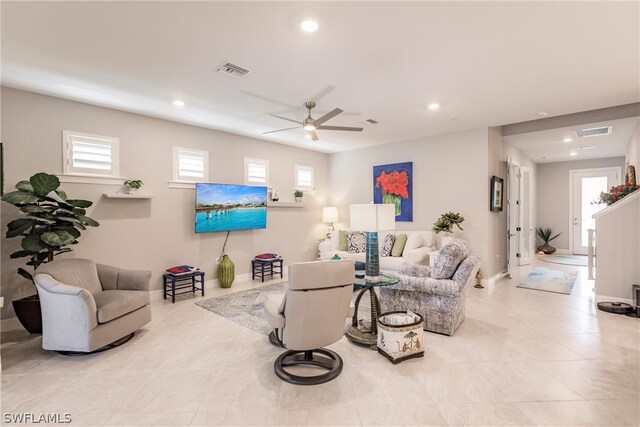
(86, 154)
(304, 177)
(256, 171)
(190, 165)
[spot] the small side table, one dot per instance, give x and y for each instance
(261, 268)
(171, 282)
(369, 338)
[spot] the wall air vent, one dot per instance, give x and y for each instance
(372, 122)
(232, 70)
(604, 130)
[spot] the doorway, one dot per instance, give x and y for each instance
(585, 186)
(520, 230)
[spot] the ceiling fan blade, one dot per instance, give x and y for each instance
(287, 119)
(314, 135)
(326, 117)
(339, 128)
(280, 130)
(324, 92)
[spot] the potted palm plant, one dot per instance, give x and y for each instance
(52, 222)
(544, 234)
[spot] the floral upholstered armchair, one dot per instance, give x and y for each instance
(437, 293)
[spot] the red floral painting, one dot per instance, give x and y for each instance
(392, 185)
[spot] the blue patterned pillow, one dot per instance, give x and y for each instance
(387, 245)
(449, 259)
(356, 242)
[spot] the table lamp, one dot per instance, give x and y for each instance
(330, 215)
(370, 219)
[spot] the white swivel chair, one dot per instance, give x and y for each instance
(89, 307)
(311, 315)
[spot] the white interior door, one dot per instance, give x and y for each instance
(586, 186)
(513, 213)
(525, 224)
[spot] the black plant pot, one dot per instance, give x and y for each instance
(28, 311)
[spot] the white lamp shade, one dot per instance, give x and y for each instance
(373, 217)
(330, 214)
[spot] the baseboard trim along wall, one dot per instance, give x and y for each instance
(494, 279)
(601, 298)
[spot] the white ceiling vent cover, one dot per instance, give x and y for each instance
(604, 130)
(232, 70)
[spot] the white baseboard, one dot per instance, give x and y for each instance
(494, 279)
(600, 298)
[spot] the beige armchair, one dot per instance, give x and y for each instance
(311, 315)
(87, 306)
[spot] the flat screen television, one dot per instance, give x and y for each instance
(228, 207)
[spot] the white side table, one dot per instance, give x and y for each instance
(432, 257)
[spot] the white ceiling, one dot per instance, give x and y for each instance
(547, 146)
(486, 63)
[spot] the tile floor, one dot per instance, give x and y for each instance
(521, 357)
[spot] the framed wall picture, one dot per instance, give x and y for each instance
(393, 184)
(497, 194)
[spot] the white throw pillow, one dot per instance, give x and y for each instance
(417, 256)
(427, 238)
(414, 241)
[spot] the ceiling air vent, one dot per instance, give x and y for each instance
(604, 130)
(372, 122)
(232, 70)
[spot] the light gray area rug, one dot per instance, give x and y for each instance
(545, 279)
(579, 260)
(246, 307)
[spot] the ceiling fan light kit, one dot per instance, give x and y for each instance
(310, 125)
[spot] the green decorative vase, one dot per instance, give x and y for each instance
(392, 199)
(226, 272)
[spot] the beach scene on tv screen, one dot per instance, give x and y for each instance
(223, 207)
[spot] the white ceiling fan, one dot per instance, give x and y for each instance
(310, 125)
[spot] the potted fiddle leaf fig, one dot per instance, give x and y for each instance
(51, 224)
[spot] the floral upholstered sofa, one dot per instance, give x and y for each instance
(437, 293)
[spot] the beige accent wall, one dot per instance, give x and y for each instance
(497, 242)
(553, 194)
(158, 233)
(450, 173)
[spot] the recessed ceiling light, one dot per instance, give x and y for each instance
(433, 106)
(567, 140)
(543, 113)
(178, 103)
(309, 26)
(573, 153)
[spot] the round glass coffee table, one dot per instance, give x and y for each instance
(362, 335)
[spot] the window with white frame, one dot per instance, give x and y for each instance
(86, 154)
(256, 171)
(190, 165)
(304, 177)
